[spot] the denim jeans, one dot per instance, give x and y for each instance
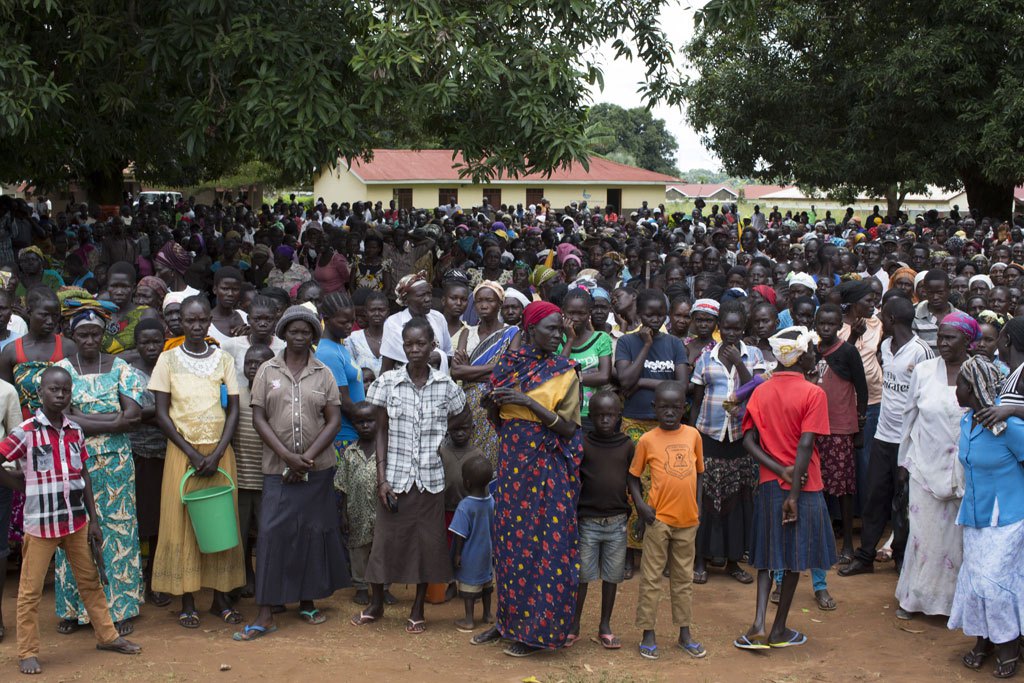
(863, 455)
(817, 579)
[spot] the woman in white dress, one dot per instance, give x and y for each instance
(929, 449)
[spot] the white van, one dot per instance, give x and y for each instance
(154, 196)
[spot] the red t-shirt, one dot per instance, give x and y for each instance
(782, 409)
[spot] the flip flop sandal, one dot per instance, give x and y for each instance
(189, 619)
(252, 632)
(158, 599)
(775, 596)
(415, 627)
(825, 604)
(124, 627)
(1005, 668)
(488, 636)
(745, 643)
(609, 641)
(120, 646)
(649, 651)
(68, 626)
(229, 615)
(521, 650)
(695, 650)
(701, 577)
(741, 575)
(974, 659)
(313, 617)
(796, 639)
(570, 640)
(362, 619)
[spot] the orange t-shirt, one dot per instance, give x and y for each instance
(675, 458)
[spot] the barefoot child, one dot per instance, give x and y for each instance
(674, 454)
(58, 506)
(456, 450)
(791, 527)
(603, 510)
(471, 526)
(249, 460)
(356, 477)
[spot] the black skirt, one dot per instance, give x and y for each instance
(300, 554)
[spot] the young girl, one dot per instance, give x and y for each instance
(409, 543)
(186, 383)
(588, 347)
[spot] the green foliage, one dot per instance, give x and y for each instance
(865, 95)
(633, 134)
(191, 89)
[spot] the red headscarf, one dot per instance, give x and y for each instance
(537, 311)
(767, 293)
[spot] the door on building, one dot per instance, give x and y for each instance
(492, 197)
(445, 194)
(403, 198)
(614, 199)
(534, 195)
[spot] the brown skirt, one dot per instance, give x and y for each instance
(410, 546)
(149, 476)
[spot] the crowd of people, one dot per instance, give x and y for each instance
(505, 404)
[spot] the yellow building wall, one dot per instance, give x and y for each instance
(338, 185)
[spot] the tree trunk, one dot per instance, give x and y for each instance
(893, 200)
(105, 186)
(989, 199)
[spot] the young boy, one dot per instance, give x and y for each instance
(58, 507)
(603, 510)
(356, 477)
(472, 528)
(456, 450)
(675, 456)
(791, 526)
(248, 449)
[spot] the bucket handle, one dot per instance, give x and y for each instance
(190, 471)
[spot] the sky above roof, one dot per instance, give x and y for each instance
(621, 79)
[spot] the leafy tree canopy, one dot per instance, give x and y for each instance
(880, 96)
(634, 136)
(191, 89)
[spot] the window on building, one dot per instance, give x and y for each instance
(534, 195)
(445, 194)
(403, 198)
(492, 196)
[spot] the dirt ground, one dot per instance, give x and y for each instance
(861, 641)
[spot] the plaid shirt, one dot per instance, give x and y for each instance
(417, 423)
(52, 460)
(719, 384)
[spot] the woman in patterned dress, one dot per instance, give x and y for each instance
(535, 404)
(105, 402)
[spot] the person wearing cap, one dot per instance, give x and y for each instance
(296, 409)
(105, 401)
(287, 273)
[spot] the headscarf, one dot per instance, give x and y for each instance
(992, 318)
(174, 256)
(734, 293)
(980, 277)
(158, 286)
(964, 324)
(804, 280)
(572, 257)
(852, 291)
(902, 272)
(84, 318)
(788, 349)
(708, 306)
(600, 293)
(174, 298)
(406, 284)
(542, 274)
(285, 251)
(563, 250)
(455, 275)
(985, 381)
(766, 293)
(33, 250)
(516, 295)
(263, 249)
(616, 257)
(537, 311)
(919, 278)
(493, 286)
(75, 300)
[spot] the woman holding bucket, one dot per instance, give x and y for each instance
(296, 408)
(186, 384)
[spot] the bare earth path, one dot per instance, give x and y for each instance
(861, 641)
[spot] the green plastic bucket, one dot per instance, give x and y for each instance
(212, 511)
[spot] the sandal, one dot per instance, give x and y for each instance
(649, 651)
(124, 627)
(695, 650)
(518, 649)
(313, 617)
(796, 639)
(252, 632)
(826, 603)
(845, 557)
(974, 659)
(189, 619)
(362, 619)
(229, 615)
(489, 636)
(415, 626)
(1005, 668)
(120, 646)
(776, 595)
(68, 626)
(742, 576)
(570, 640)
(609, 641)
(627, 573)
(700, 577)
(158, 599)
(745, 643)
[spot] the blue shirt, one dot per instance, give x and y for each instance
(994, 478)
(472, 521)
(336, 357)
(665, 355)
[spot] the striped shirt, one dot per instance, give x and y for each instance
(1009, 395)
(53, 460)
(247, 446)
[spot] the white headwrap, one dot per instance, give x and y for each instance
(709, 306)
(516, 295)
(174, 298)
(804, 280)
(787, 348)
(981, 278)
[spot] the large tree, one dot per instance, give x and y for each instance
(880, 96)
(189, 89)
(636, 137)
